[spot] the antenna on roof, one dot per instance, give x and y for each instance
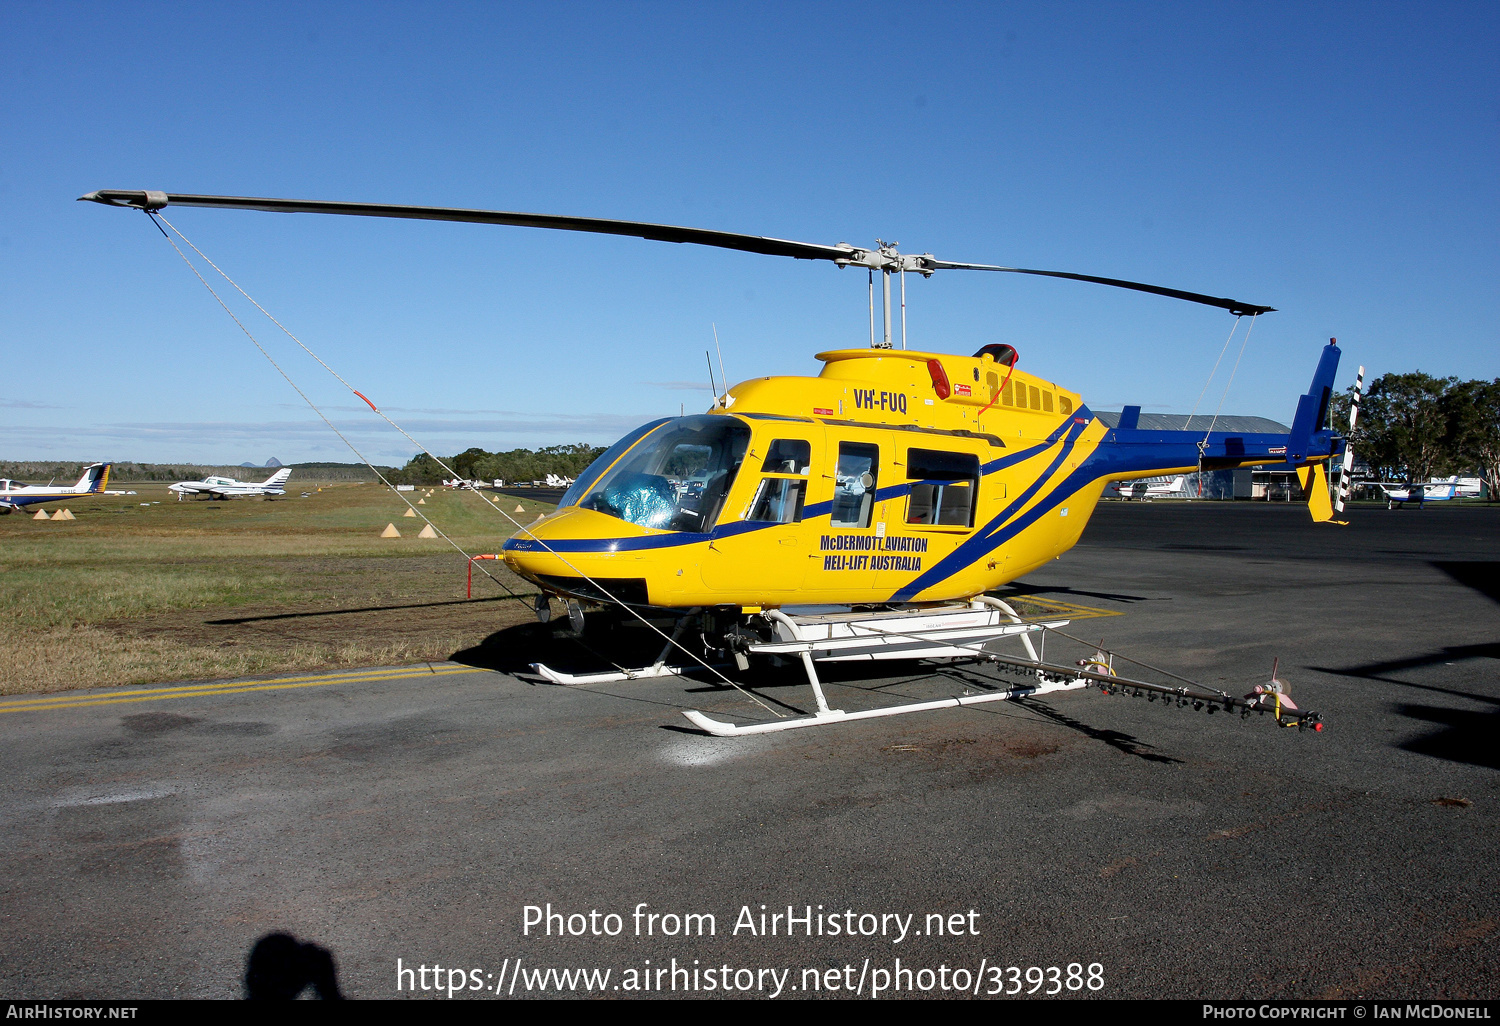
(722, 375)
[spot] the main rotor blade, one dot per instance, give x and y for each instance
(603, 226)
(842, 254)
(1232, 305)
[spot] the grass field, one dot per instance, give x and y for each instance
(146, 589)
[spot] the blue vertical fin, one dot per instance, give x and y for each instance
(1312, 408)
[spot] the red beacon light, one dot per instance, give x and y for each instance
(939, 379)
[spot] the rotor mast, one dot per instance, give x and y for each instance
(886, 259)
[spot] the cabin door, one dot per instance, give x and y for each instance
(761, 551)
(841, 566)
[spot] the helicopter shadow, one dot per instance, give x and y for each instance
(1461, 735)
(1482, 576)
(608, 646)
(513, 650)
(1120, 741)
(1465, 736)
(1018, 590)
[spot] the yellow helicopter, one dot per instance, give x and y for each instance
(901, 487)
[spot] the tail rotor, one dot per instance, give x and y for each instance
(1348, 465)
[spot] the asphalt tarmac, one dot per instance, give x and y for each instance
(152, 836)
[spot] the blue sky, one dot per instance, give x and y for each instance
(1336, 161)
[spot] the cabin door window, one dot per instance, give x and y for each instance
(854, 485)
(783, 490)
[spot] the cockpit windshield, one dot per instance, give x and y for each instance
(675, 478)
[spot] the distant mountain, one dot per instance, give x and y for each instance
(250, 465)
(273, 463)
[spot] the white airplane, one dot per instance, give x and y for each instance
(228, 487)
(16, 495)
(1398, 494)
(1150, 488)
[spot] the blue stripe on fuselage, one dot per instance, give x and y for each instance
(1119, 452)
(810, 513)
(994, 534)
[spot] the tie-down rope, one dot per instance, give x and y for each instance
(157, 217)
(1203, 445)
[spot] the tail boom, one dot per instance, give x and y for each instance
(1129, 452)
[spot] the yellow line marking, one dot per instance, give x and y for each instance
(1077, 612)
(228, 688)
(222, 684)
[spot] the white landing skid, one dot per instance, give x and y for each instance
(659, 669)
(656, 669)
(825, 715)
(949, 633)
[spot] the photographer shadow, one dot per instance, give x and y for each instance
(281, 968)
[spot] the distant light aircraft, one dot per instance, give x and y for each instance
(16, 495)
(1399, 494)
(1151, 488)
(228, 487)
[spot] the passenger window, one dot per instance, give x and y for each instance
(788, 456)
(944, 487)
(854, 485)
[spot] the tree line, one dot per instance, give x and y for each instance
(513, 465)
(1415, 427)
